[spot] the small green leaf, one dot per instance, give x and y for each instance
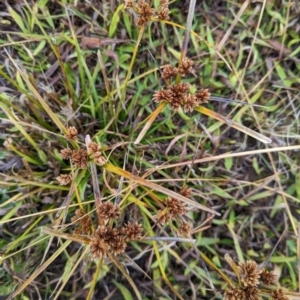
(17, 18)
(125, 292)
(228, 163)
(115, 21)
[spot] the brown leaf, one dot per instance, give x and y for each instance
(275, 44)
(95, 42)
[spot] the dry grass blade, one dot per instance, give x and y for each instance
(234, 124)
(157, 188)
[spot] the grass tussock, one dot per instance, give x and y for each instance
(121, 176)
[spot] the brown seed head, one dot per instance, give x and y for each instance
(99, 159)
(108, 210)
(163, 217)
(169, 72)
(178, 94)
(279, 295)
(175, 207)
(234, 294)
(203, 96)
(186, 67)
(164, 2)
(191, 102)
(80, 158)
(128, 4)
(184, 229)
(85, 222)
(162, 95)
(186, 192)
(267, 277)
(94, 147)
(145, 13)
(117, 245)
(252, 293)
(66, 153)
(133, 231)
(250, 273)
(98, 248)
(64, 179)
(72, 133)
(163, 13)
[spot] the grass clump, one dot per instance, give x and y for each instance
(121, 178)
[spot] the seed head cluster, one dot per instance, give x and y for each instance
(145, 12)
(79, 157)
(249, 272)
(177, 95)
(114, 240)
(83, 221)
(251, 277)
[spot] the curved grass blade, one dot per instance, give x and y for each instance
(234, 124)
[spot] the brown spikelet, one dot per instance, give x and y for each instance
(186, 67)
(108, 210)
(163, 216)
(178, 94)
(117, 244)
(169, 72)
(99, 158)
(163, 13)
(94, 147)
(80, 158)
(186, 192)
(64, 179)
(267, 277)
(249, 272)
(66, 153)
(85, 222)
(128, 4)
(98, 248)
(175, 207)
(133, 231)
(184, 229)
(113, 238)
(72, 133)
(252, 293)
(145, 13)
(234, 293)
(203, 96)
(191, 102)
(279, 295)
(162, 95)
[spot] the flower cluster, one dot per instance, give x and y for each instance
(177, 95)
(145, 12)
(175, 209)
(114, 240)
(79, 157)
(84, 225)
(251, 277)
